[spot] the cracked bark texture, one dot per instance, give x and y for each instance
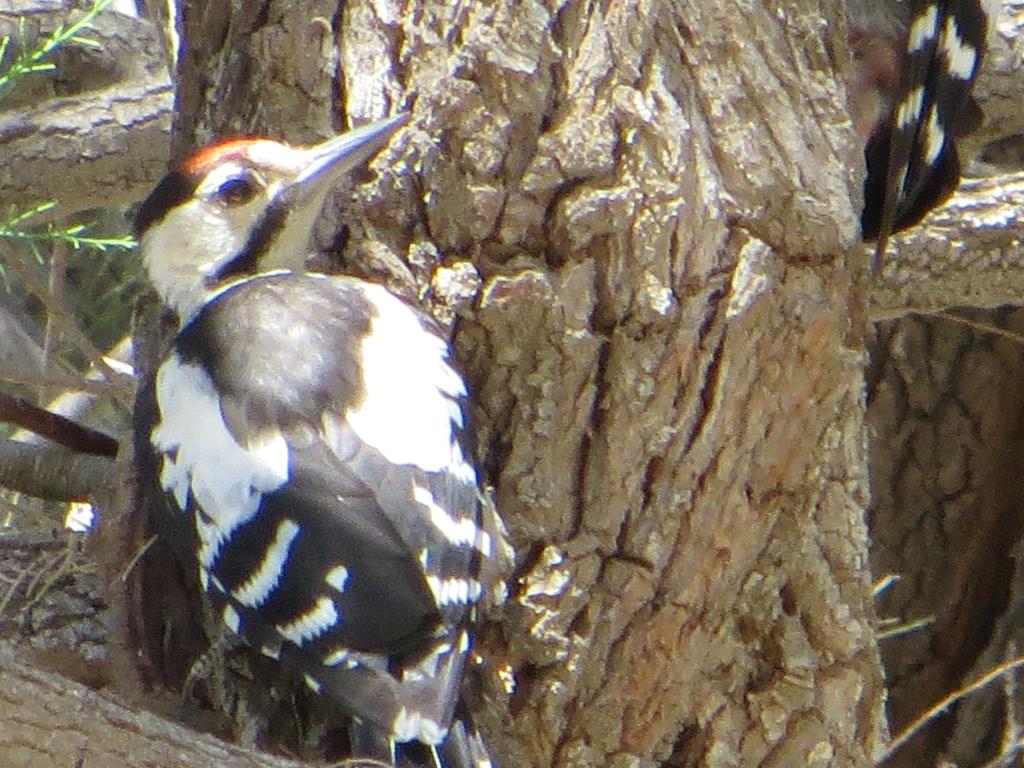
(92, 133)
(618, 203)
(640, 215)
(640, 220)
(945, 417)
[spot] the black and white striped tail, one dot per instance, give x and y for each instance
(912, 159)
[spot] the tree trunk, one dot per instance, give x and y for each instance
(642, 216)
(642, 220)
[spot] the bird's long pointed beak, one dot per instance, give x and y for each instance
(333, 158)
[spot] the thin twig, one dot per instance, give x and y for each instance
(138, 556)
(62, 564)
(887, 632)
(56, 428)
(55, 286)
(59, 315)
(12, 591)
(55, 563)
(121, 388)
(977, 325)
(911, 730)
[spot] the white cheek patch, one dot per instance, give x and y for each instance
(201, 457)
(188, 246)
(408, 387)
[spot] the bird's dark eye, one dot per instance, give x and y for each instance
(238, 190)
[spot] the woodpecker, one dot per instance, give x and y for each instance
(310, 432)
(915, 67)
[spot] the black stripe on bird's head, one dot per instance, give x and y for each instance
(241, 207)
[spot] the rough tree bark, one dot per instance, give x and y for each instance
(945, 416)
(641, 217)
(645, 234)
(92, 133)
(642, 214)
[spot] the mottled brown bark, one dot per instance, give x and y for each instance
(665, 345)
(50, 721)
(93, 133)
(642, 216)
(946, 413)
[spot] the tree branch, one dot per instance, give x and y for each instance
(53, 473)
(49, 720)
(967, 253)
(52, 426)
(103, 139)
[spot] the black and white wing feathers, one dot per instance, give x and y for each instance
(912, 159)
(313, 429)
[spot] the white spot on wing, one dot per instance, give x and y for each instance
(271, 652)
(454, 591)
(460, 532)
(428, 667)
(257, 588)
(961, 57)
(313, 683)
(232, 619)
(313, 623)
(460, 468)
(202, 457)
(934, 138)
(408, 387)
(909, 112)
(922, 31)
(337, 577)
(336, 657)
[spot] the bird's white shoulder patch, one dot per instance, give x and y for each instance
(201, 457)
(408, 407)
